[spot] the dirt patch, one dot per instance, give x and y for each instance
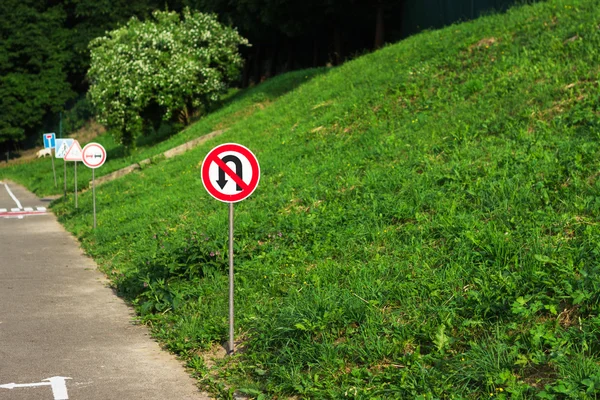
(485, 42)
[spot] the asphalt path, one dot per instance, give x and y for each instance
(59, 320)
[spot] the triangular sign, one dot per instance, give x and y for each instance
(74, 152)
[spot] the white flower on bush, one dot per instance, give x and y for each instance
(171, 61)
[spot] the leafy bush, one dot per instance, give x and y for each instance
(78, 115)
(168, 67)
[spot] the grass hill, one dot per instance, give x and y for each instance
(426, 224)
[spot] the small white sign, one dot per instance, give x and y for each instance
(93, 155)
(62, 146)
(74, 152)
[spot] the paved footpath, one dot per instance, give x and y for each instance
(59, 320)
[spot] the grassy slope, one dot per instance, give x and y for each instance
(426, 224)
(37, 174)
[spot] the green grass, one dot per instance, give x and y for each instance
(37, 174)
(426, 224)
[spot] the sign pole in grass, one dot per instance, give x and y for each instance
(75, 184)
(93, 156)
(231, 282)
(94, 194)
(54, 171)
(64, 178)
(225, 185)
(50, 143)
(61, 149)
(74, 154)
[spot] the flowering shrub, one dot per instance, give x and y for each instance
(170, 65)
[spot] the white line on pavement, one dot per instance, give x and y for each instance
(13, 196)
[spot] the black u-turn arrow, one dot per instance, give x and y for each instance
(238, 171)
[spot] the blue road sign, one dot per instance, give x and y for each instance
(49, 140)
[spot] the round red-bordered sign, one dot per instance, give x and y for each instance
(93, 155)
(230, 172)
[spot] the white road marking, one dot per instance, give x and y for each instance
(15, 209)
(28, 209)
(41, 209)
(58, 384)
(3, 210)
(13, 196)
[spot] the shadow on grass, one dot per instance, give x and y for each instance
(275, 87)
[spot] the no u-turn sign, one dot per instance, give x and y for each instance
(230, 172)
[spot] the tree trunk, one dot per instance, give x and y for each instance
(379, 25)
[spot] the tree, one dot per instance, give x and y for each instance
(89, 19)
(170, 65)
(33, 81)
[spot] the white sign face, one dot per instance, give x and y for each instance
(93, 155)
(74, 152)
(62, 146)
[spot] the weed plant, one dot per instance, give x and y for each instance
(426, 224)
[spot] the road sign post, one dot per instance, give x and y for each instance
(64, 178)
(53, 170)
(50, 143)
(62, 147)
(75, 184)
(93, 156)
(225, 185)
(74, 154)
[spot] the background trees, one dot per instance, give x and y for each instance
(44, 55)
(166, 68)
(33, 56)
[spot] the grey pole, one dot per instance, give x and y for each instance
(94, 194)
(231, 313)
(75, 184)
(53, 169)
(65, 177)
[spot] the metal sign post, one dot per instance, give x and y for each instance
(74, 154)
(94, 194)
(228, 186)
(50, 143)
(231, 291)
(61, 148)
(65, 178)
(93, 156)
(75, 184)
(53, 170)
